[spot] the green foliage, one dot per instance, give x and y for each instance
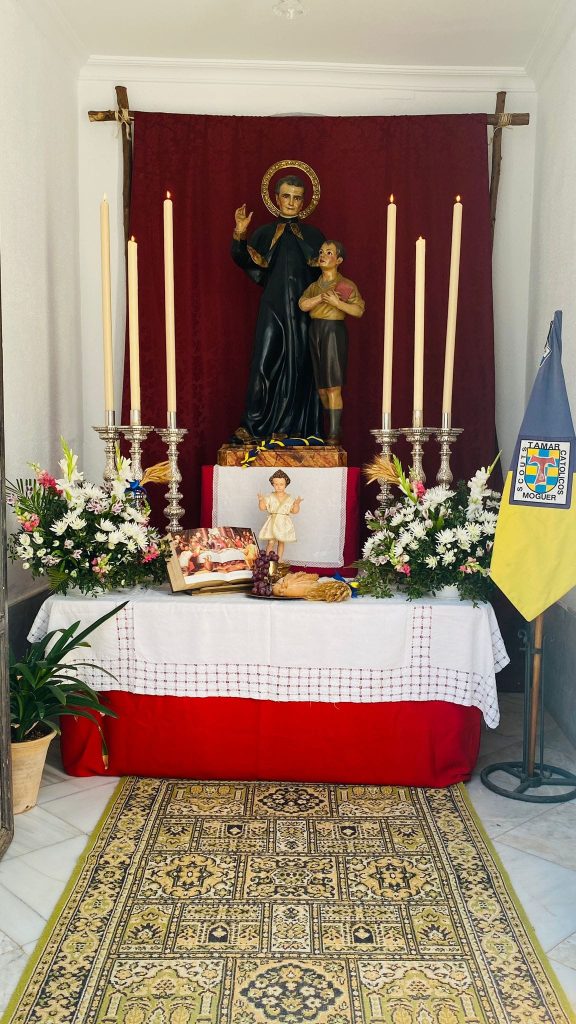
(45, 684)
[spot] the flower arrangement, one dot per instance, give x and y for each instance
(430, 538)
(79, 534)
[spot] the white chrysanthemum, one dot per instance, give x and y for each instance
(398, 550)
(434, 496)
(463, 537)
(107, 525)
(37, 537)
(448, 558)
(24, 541)
(114, 537)
(418, 530)
(444, 537)
(101, 537)
(60, 526)
(431, 561)
(93, 492)
(76, 522)
(397, 519)
(369, 547)
(474, 532)
(132, 531)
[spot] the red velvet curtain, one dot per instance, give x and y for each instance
(213, 164)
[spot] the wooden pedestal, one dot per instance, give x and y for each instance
(322, 456)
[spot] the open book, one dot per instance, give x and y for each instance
(207, 558)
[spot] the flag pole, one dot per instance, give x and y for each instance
(531, 772)
(535, 693)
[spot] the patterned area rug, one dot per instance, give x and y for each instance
(284, 903)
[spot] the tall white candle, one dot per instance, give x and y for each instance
(169, 305)
(452, 308)
(418, 403)
(389, 313)
(133, 329)
(106, 306)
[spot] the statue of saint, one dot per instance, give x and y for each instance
(329, 300)
(280, 257)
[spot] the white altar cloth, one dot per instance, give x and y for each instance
(230, 645)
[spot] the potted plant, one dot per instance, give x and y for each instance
(44, 686)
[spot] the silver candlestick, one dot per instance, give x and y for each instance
(110, 434)
(172, 436)
(446, 435)
(385, 438)
(136, 434)
(417, 437)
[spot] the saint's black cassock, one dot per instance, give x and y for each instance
(281, 397)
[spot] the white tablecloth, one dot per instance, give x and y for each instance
(230, 645)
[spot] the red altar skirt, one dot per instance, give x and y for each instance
(407, 743)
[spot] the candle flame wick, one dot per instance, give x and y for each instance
(168, 196)
(457, 199)
(132, 239)
(104, 198)
(392, 198)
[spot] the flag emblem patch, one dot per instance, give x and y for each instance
(542, 473)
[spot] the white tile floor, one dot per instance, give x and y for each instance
(535, 843)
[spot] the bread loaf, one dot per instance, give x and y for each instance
(295, 584)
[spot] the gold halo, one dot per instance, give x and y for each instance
(280, 166)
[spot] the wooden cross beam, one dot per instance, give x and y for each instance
(500, 120)
(123, 115)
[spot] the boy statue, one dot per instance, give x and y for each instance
(328, 300)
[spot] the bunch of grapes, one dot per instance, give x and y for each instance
(261, 582)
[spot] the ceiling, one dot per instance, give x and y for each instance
(461, 33)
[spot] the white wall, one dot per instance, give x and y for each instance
(260, 88)
(553, 272)
(39, 246)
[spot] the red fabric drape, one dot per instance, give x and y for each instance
(239, 738)
(213, 164)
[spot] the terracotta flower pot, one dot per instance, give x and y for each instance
(28, 760)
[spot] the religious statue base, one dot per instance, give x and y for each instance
(327, 456)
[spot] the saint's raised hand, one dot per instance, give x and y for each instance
(242, 219)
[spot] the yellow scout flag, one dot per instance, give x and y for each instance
(534, 557)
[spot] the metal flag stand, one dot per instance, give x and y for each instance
(531, 773)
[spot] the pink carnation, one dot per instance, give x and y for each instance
(419, 489)
(465, 568)
(151, 552)
(30, 524)
(403, 568)
(45, 480)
